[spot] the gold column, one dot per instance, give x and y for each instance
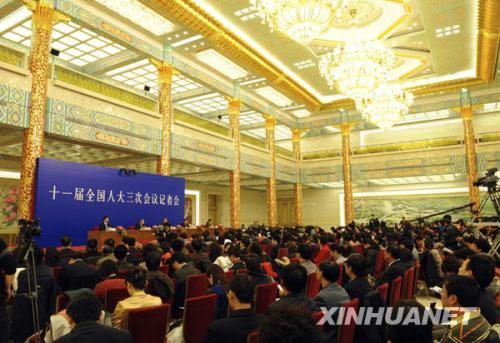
(234, 175)
(297, 186)
(271, 182)
(165, 72)
(470, 149)
(346, 167)
(33, 138)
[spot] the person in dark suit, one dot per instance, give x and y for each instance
(85, 312)
(66, 253)
(77, 274)
(183, 269)
(257, 275)
(294, 280)
(234, 256)
(199, 258)
(105, 224)
(394, 267)
(243, 319)
(21, 316)
(356, 268)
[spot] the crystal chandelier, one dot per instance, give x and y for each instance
(357, 68)
(387, 106)
(301, 20)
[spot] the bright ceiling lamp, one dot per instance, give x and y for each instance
(301, 20)
(387, 106)
(140, 14)
(357, 68)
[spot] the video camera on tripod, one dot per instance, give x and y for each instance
(28, 229)
(489, 180)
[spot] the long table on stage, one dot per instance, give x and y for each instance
(139, 235)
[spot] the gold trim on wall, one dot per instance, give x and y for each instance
(487, 38)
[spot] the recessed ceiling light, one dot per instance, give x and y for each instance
(219, 62)
(301, 113)
(14, 18)
(187, 41)
(140, 14)
(274, 96)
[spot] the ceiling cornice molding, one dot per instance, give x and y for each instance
(191, 15)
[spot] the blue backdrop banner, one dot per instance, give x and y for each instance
(72, 198)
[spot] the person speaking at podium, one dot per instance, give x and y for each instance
(105, 225)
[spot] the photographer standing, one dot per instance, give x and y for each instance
(7, 272)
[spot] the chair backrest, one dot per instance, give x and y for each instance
(266, 248)
(294, 260)
(347, 330)
(410, 282)
(62, 301)
(242, 271)
(379, 263)
(312, 286)
(384, 291)
(358, 249)
(149, 324)
(113, 296)
(164, 269)
(415, 279)
(199, 312)
(253, 337)
(395, 290)
(196, 285)
(340, 280)
(57, 272)
(265, 295)
(230, 274)
(282, 252)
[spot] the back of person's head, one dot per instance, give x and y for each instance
(451, 265)
(3, 245)
(214, 251)
(177, 244)
(481, 267)
(65, 241)
(241, 286)
(218, 275)
(409, 332)
(178, 257)
(294, 278)
(92, 245)
(305, 251)
(107, 250)
(324, 239)
(51, 256)
(357, 263)
(235, 252)
(108, 268)
(253, 264)
(289, 324)
(147, 248)
(165, 247)
(394, 251)
(197, 244)
(483, 245)
(255, 248)
(246, 241)
(110, 242)
(153, 260)
(136, 277)
(120, 252)
(464, 288)
(329, 270)
(84, 307)
(131, 241)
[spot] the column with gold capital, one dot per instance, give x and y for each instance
(297, 186)
(470, 146)
(234, 175)
(165, 73)
(44, 16)
(345, 128)
(271, 182)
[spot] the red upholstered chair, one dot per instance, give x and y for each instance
(266, 248)
(340, 280)
(149, 324)
(415, 278)
(358, 249)
(230, 274)
(294, 260)
(408, 283)
(242, 271)
(312, 286)
(265, 295)
(379, 263)
(347, 330)
(113, 296)
(384, 291)
(317, 317)
(62, 301)
(282, 252)
(395, 290)
(253, 337)
(199, 312)
(57, 272)
(196, 285)
(164, 269)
